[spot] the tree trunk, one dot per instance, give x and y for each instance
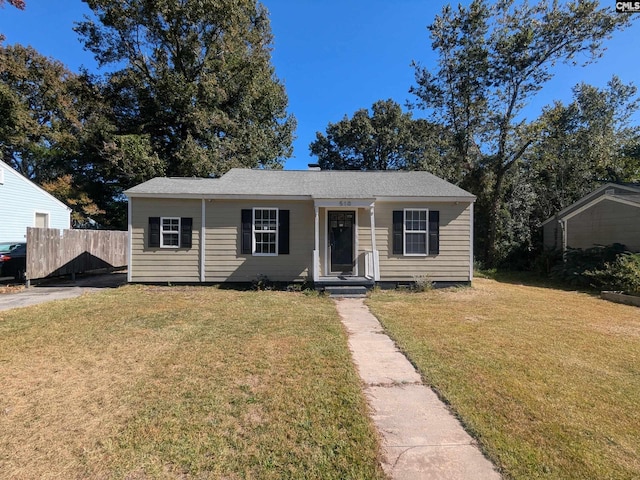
(494, 212)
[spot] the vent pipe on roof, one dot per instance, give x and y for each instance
(315, 167)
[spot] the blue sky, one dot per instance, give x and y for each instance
(334, 56)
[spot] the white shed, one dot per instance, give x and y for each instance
(24, 204)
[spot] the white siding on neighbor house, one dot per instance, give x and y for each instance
(163, 264)
(605, 223)
(223, 257)
(452, 264)
(21, 201)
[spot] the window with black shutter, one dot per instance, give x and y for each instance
(154, 232)
(186, 227)
(264, 231)
(283, 232)
(170, 232)
(398, 232)
(246, 246)
(434, 232)
(416, 232)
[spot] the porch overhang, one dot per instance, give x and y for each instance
(344, 202)
(371, 265)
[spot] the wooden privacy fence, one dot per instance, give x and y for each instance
(53, 252)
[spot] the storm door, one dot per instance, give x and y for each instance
(341, 240)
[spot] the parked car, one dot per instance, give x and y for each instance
(13, 263)
(6, 247)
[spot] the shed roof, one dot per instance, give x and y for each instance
(625, 192)
(325, 184)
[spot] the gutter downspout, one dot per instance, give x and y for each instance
(471, 242)
(202, 242)
(130, 243)
(563, 228)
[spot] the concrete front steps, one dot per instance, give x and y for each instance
(354, 291)
(345, 287)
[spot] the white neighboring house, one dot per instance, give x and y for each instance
(24, 204)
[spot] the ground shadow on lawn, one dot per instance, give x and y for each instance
(532, 279)
(111, 279)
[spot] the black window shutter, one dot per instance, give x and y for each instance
(245, 240)
(154, 232)
(398, 220)
(434, 232)
(186, 226)
(283, 232)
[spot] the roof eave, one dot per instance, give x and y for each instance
(587, 199)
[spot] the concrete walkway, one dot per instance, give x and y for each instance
(421, 439)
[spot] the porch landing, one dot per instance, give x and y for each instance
(344, 286)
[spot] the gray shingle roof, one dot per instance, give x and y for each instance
(326, 184)
(626, 191)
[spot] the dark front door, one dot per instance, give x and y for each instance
(341, 241)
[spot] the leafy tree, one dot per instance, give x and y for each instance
(193, 81)
(493, 59)
(52, 127)
(582, 145)
(19, 4)
(84, 210)
(39, 114)
(385, 139)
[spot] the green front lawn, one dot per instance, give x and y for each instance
(152, 382)
(547, 380)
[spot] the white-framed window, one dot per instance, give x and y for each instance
(265, 231)
(415, 231)
(170, 232)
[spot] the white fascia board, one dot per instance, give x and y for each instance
(199, 196)
(427, 199)
(24, 179)
(343, 202)
(595, 201)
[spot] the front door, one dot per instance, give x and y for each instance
(341, 235)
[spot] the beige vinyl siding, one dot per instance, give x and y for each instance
(605, 223)
(452, 264)
(223, 260)
(164, 264)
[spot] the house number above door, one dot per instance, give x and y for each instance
(345, 203)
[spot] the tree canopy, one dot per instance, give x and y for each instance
(493, 58)
(188, 89)
(385, 139)
(194, 80)
(40, 116)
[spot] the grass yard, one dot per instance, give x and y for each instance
(547, 380)
(183, 382)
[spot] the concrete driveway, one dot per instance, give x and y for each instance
(60, 288)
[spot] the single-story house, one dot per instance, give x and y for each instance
(24, 204)
(294, 226)
(608, 215)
